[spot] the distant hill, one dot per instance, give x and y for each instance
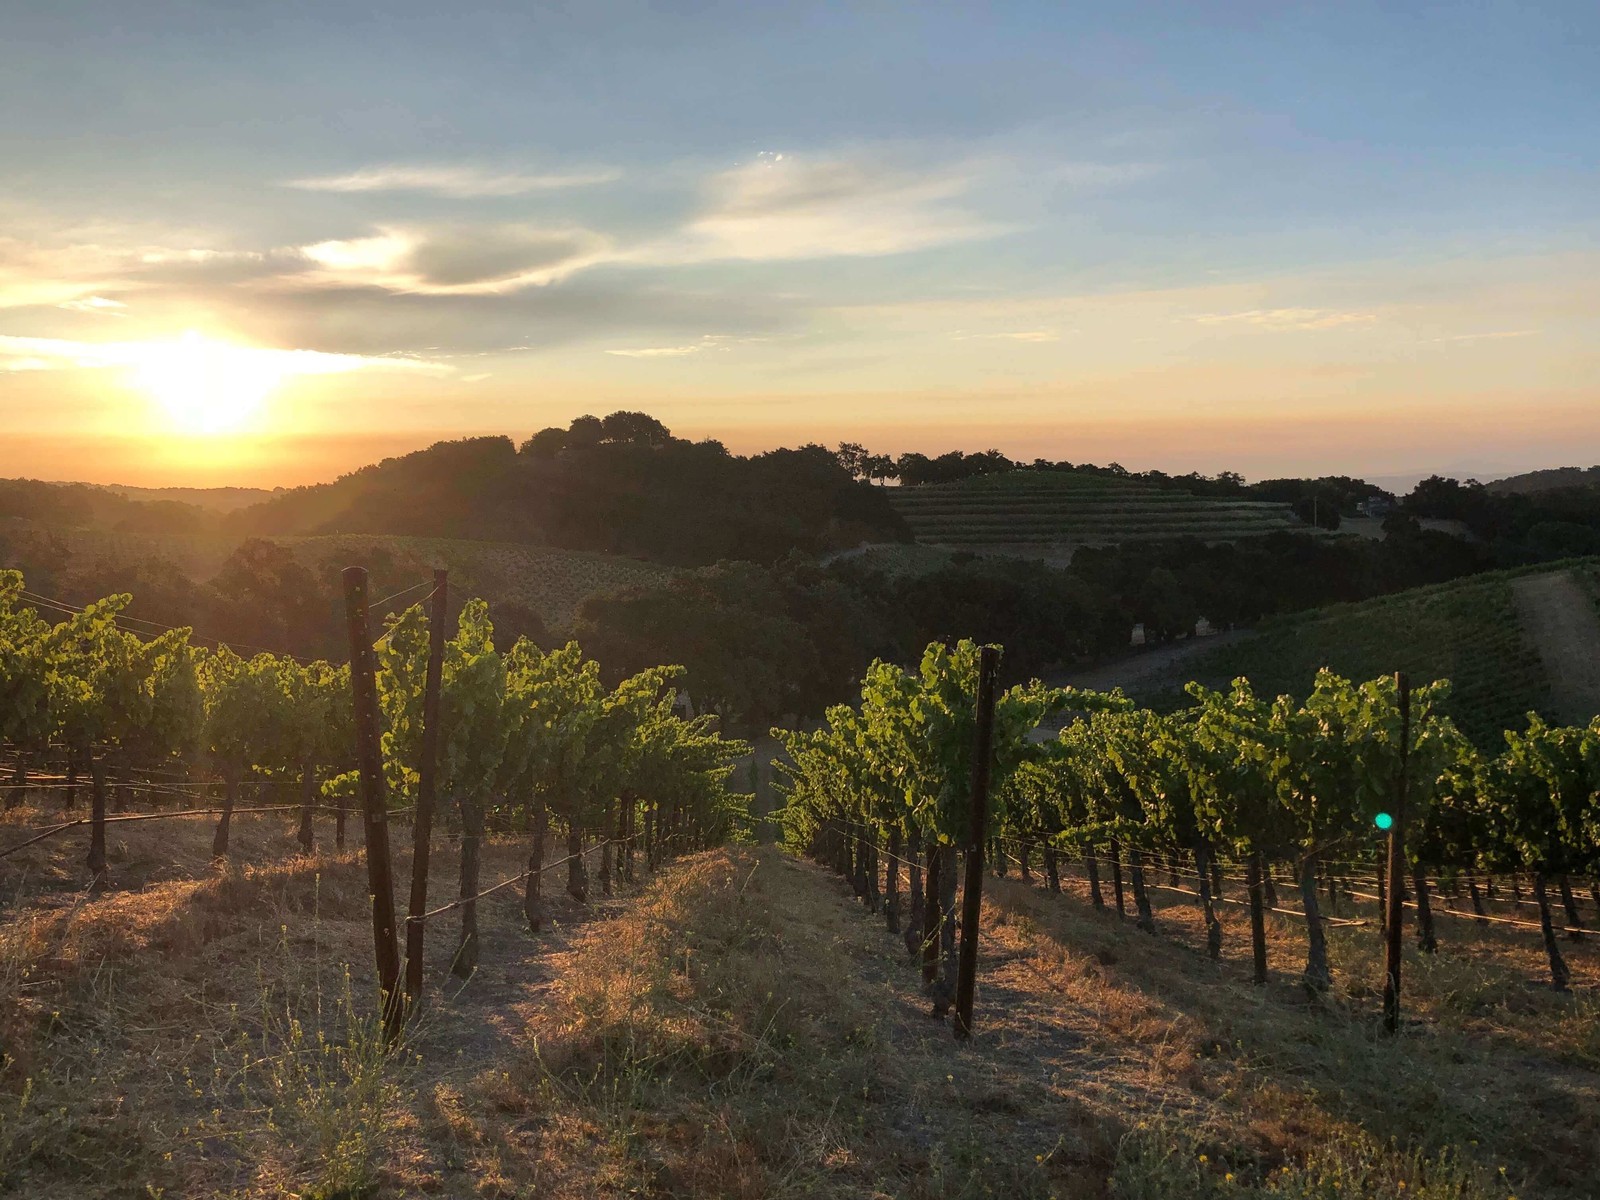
(1532, 482)
(1040, 509)
(1470, 631)
(636, 492)
(216, 499)
(91, 506)
(549, 582)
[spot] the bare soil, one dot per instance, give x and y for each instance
(1559, 618)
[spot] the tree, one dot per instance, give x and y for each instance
(585, 431)
(635, 428)
(545, 444)
(853, 457)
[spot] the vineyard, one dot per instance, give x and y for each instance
(1179, 956)
(1226, 801)
(1467, 631)
(1023, 509)
(521, 742)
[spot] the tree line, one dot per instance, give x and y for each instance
(762, 644)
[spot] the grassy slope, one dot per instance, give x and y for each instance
(551, 582)
(1055, 507)
(742, 1029)
(1466, 631)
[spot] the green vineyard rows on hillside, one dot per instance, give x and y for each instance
(1468, 633)
(1056, 507)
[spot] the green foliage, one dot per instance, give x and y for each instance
(1467, 632)
(528, 722)
(1165, 1161)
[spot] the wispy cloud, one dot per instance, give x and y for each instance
(102, 305)
(1020, 335)
(199, 254)
(1495, 336)
(60, 354)
(456, 260)
(1289, 318)
(454, 182)
(658, 351)
(710, 341)
(786, 207)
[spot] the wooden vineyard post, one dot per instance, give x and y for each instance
(427, 785)
(369, 759)
(97, 814)
(308, 795)
(972, 895)
(1395, 914)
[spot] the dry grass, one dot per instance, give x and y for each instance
(741, 1028)
(209, 1030)
(1492, 1066)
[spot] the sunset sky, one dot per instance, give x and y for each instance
(264, 243)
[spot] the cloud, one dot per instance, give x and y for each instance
(1497, 335)
(456, 260)
(95, 304)
(198, 254)
(59, 354)
(382, 253)
(36, 274)
(1289, 318)
(454, 182)
(709, 341)
(784, 207)
(658, 351)
(77, 274)
(614, 308)
(1021, 335)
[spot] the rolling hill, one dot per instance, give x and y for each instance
(1041, 509)
(1532, 482)
(1481, 633)
(550, 582)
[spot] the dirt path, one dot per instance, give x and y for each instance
(1150, 668)
(1560, 620)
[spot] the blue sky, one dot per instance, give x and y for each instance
(1265, 237)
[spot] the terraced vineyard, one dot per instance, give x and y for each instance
(1055, 508)
(1467, 631)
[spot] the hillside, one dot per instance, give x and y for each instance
(1039, 509)
(1532, 482)
(212, 499)
(549, 582)
(623, 485)
(1471, 632)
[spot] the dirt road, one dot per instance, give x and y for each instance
(1150, 669)
(1561, 623)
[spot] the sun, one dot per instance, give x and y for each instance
(206, 386)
